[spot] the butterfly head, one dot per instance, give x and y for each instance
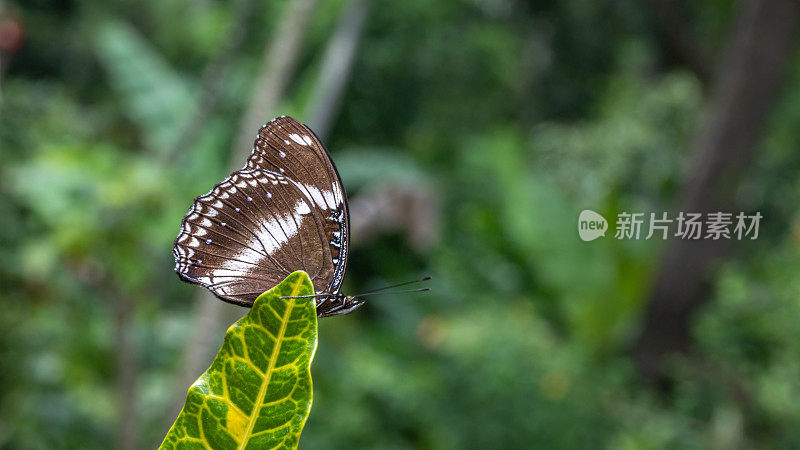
(333, 304)
(337, 304)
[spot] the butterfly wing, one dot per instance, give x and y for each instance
(288, 147)
(285, 210)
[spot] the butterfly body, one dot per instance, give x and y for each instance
(285, 210)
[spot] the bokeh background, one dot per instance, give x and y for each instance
(469, 135)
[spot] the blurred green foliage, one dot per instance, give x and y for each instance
(518, 115)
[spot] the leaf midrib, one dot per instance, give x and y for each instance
(270, 367)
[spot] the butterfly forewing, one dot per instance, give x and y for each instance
(268, 220)
(286, 146)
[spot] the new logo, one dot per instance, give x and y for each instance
(591, 225)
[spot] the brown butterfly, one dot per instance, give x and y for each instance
(285, 210)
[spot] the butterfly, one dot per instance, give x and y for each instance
(285, 210)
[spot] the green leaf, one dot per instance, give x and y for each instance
(257, 392)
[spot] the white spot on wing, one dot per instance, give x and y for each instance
(301, 208)
(302, 140)
(325, 199)
(272, 233)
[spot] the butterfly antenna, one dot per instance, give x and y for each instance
(376, 291)
(393, 292)
(366, 294)
(396, 285)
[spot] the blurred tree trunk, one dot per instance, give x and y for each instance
(336, 66)
(678, 40)
(761, 43)
(215, 75)
(277, 67)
